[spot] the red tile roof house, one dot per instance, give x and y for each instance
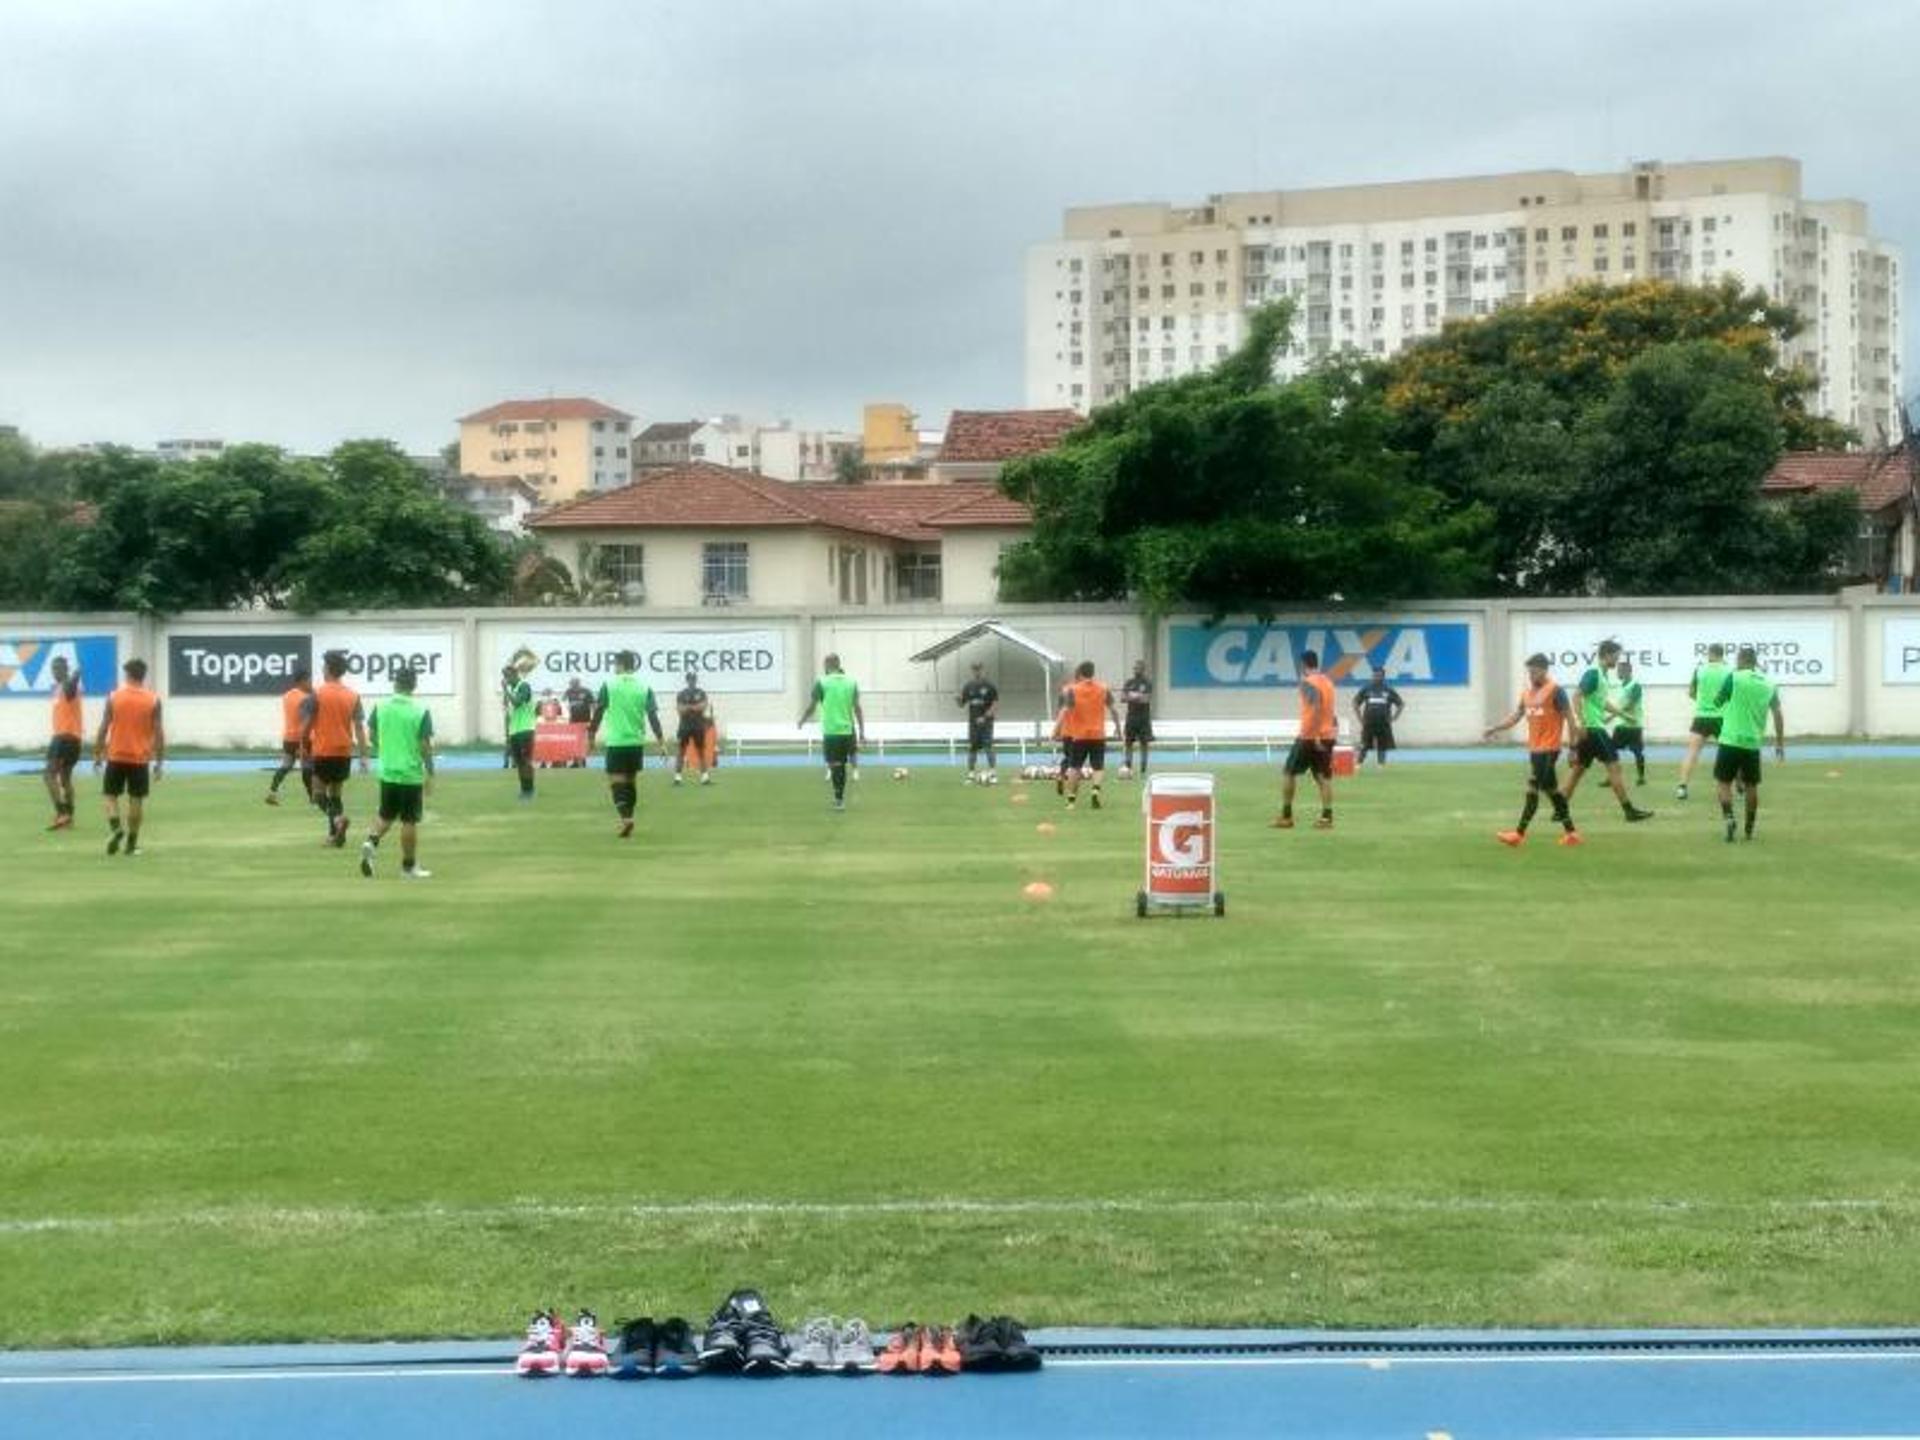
(979, 442)
(703, 534)
(1887, 482)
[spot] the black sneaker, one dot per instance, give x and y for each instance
(763, 1348)
(981, 1346)
(1017, 1353)
(114, 840)
(725, 1343)
(675, 1352)
(1096, 800)
(633, 1348)
(1635, 814)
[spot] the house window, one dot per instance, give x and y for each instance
(850, 564)
(599, 424)
(917, 575)
(625, 567)
(723, 571)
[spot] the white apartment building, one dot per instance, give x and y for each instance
(805, 455)
(1135, 293)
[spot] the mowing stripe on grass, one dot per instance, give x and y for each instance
(351, 1215)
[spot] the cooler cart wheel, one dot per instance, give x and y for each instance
(1140, 904)
(1219, 902)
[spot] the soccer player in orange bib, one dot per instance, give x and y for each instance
(1086, 708)
(1551, 723)
(63, 745)
(292, 726)
(333, 727)
(132, 744)
(1312, 749)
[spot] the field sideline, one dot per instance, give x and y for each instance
(1411, 1079)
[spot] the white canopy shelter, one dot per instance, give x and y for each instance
(1049, 659)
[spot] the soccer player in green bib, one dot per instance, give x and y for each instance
(1596, 745)
(843, 727)
(402, 733)
(1746, 699)
(1628, 704)
(624, 705)
(516, 697)
(1704, 690)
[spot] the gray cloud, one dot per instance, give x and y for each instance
(302, 223)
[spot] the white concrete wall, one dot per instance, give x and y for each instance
(1847, 664)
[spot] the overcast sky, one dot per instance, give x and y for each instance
(304, 222)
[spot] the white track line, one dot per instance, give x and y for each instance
(350, 1215)
(1091, 1362)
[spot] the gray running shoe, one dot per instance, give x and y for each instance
(811, 1351)
(853, 1349)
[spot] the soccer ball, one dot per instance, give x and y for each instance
(1126, 772)
(992, 777)
(900, 772)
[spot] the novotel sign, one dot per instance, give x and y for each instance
(1254, 656)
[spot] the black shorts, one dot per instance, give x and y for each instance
(1376, 734)
(1543, 770)
(626, 759)
(1314, 756)
(520, 747)
(1735, 763)
(979, 734)
(691, 732)
(838, 749)
(124, 779)
(1138, 729)
(404, 803)
(1629, 739)
(1086, 755)
(63, 751)
(1705, 726)
(332, 769)
(1596, 746)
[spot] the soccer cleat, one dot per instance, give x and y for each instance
(626, 830)
(839, 804)
(273, 797)
(416, 872)
(366, 858)
(337, 832)
(61, 822)
(675, 1353)
(1512, 838)
(943, 1354)
(1571, 838)
(1325, 822)
(676, 780)
(540, 1351)
(1635, 814)
(633, 1348)
(1280, 822)
(853, 1349)
(586, 1354)
(812, 1353)
(897, 1357)
(133, 846)
(1730, 830)
(1095, 802)
(115, 840)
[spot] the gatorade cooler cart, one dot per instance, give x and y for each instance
(1182, 873)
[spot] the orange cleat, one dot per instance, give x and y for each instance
(897, 1357)
(1512, 837)
(1281, 822)
(1572, 837)
(945, 1353)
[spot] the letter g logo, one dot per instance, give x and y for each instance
(1182, 838)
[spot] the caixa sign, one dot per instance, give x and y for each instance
(1253, 657)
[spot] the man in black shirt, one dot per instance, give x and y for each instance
(1378, 705)
(981, 700)
(579, 703)
(696, 719)
(1138, 729)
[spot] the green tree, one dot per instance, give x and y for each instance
(1666, 496)
(850, 466)
(1233, 492)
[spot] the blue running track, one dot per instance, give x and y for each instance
(1421, 1386)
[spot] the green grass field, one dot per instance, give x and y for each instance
(1412, 1079)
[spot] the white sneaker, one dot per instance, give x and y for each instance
(676, 777)
(707, 779)
(366, 858)
(418, 873)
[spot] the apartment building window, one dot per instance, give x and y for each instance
(1433, 312)
(1378, 315)
(1196, 354)
(1433, 277)
(1166, 322)
(1166, 292)
(1479, 307)
(1219, 352)
(1709, 224)
(624, 567)
(1379, 281)
(1220, 288)
(599, 452)
(1406, 250)
(1379, 250)
(1145, 292)
(1197, 288)
(1629, 229)
(1197, 257)
(1540, 235)
(1142, 324)
(1432, 246)
(619, 427)
(1406, 317)
(1166, 258)
(1166, 354)
(1479, 242)
(1346, 282)
(1346, 317)
(1145, 357)
(1379, 347)
(723, 571)
(1599, 232)
(1599, 264)
(1480, 273)
(1220, 257)
(1073, 297)
(1077, 358)
(916, 575)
